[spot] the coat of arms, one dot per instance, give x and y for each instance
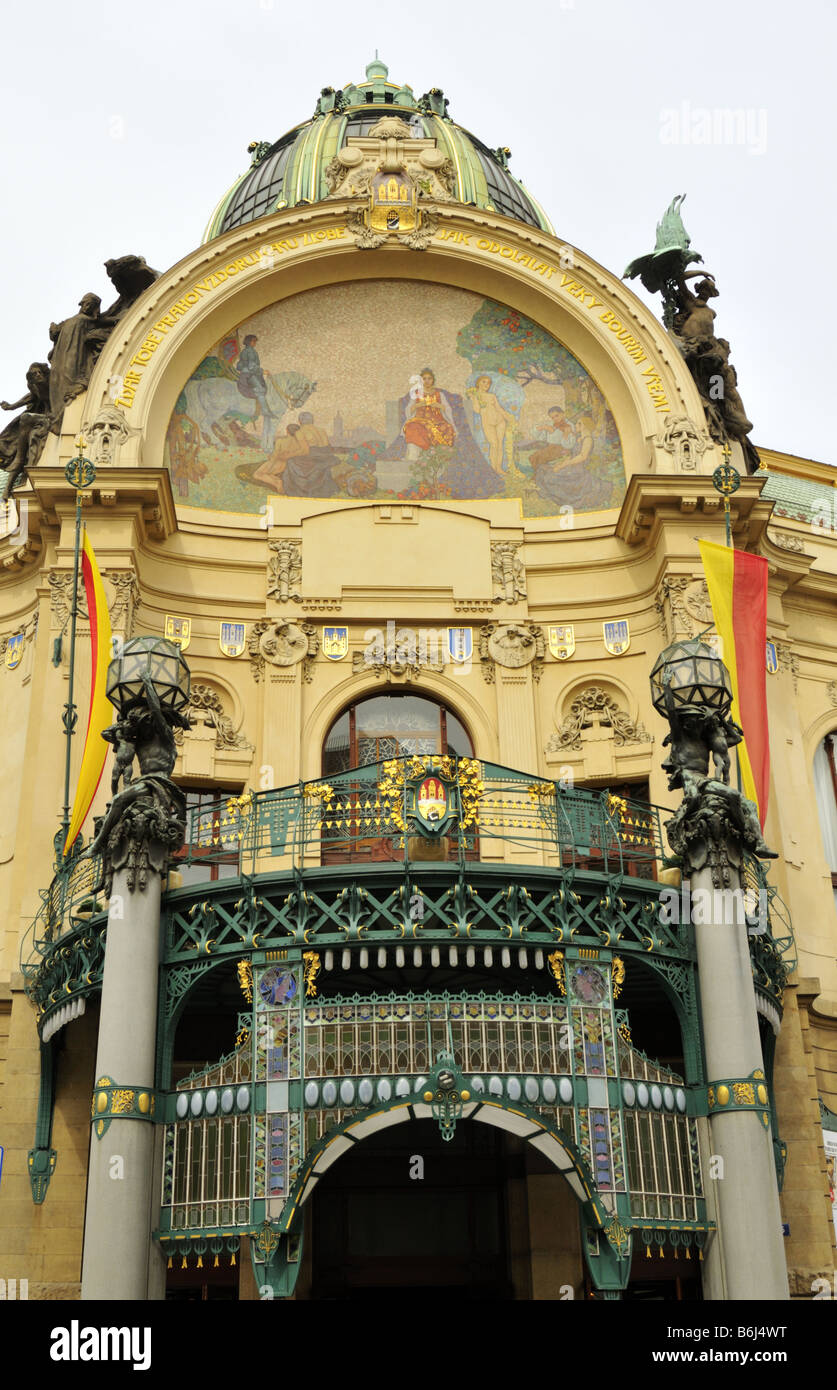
(562, 641)
(617, 636)
(179, 630)
(14, 650)
(231, 638)
(460, 644)
(392, 204)
(432, 798)
(335, 642)
(771, 658)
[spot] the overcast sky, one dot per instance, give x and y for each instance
(123, 125)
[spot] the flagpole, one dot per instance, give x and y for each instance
(79, 474)
(726, 479)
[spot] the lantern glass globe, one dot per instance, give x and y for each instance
(161, 660)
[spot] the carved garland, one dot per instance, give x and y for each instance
(204, 700)
(595, 703)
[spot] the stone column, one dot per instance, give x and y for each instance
(749, 1218)
(119, 1197)
(712, 832)
(144, 825)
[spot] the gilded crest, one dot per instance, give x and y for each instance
(179, 630)
(562, 641)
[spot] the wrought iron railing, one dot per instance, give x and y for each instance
(365, 816)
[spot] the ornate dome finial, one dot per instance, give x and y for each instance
(376, 68)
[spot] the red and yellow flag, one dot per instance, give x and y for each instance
(737, 584)
(101, 712)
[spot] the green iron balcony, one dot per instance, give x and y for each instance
(424, 847)
(422, 810)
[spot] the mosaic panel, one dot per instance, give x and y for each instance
(393, 390)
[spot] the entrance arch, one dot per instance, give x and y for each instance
(606, 1242)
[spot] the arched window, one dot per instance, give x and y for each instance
(392, 726)
(825, 788)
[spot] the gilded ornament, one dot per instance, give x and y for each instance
(618, 1236)
(618, 975)
(245, 979)
(723, 1095)
(122, 1100)
(266, 1241)
(555, 960)
(312, 965)
(744, 1093)
(761, 1092)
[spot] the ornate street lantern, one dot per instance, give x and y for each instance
(161, 660)
(695, 677)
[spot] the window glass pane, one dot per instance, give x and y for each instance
(392, 726)
(824, 791)
(336, 755)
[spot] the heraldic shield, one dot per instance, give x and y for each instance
(617, 636)
(179, 630)
(562, 642)
(432, 802)
(335, 642)
(460, 644)
(231, 638)
(14, 650)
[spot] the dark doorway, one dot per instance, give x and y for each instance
(377, 1230)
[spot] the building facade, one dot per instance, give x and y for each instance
(416, 485)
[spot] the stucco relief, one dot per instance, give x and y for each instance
(686, 443)
(513, 646)
(282, 644)
(594, 706)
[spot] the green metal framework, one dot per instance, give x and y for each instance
(248, 1139)
(336, 873)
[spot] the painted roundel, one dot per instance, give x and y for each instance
(589, 984)
(277, 986)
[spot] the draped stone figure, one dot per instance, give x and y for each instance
(77, 343)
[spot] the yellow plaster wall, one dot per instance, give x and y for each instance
(423, 565)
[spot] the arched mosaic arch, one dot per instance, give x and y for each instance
(607, 1243)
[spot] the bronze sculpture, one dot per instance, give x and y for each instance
(714, 823)
(691, 321)
(77, 343)
(146, 820)
(22, 441)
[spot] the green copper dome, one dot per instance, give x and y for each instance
(292, 171)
